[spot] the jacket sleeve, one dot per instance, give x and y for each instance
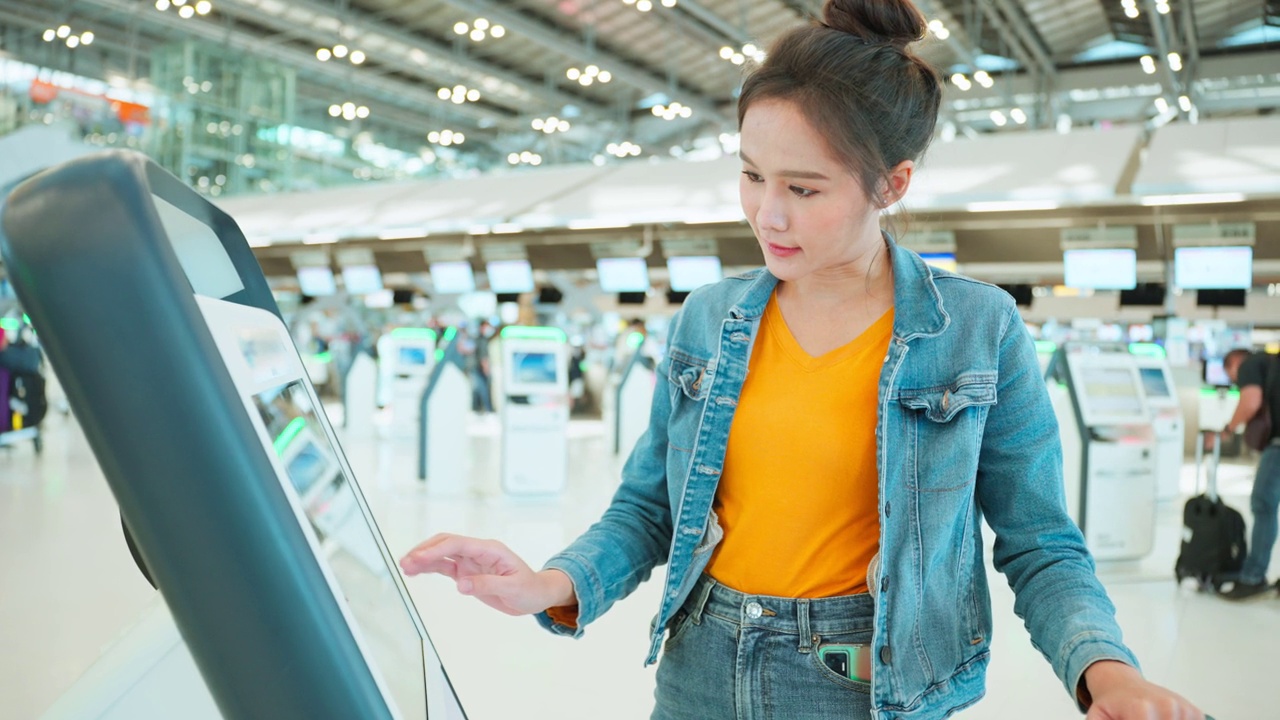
(1038, 547)
(619, 551)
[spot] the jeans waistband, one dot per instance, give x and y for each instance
(805, 617)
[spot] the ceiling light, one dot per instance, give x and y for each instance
(983, 79)
(73, 41)
(513, 158)
(443, 93)
(50, 35)
(604, 76)
(86, 38)
(357, 57)
(497, 31)
(204, 7)
(563, 126)
(998, 118)
(473, 95)
(64, 31)
(537, 123)
(943, 34)
(738, 59)
(1018, 116)
(461, 28)
(477, 35)
(162, 5)
(573, 73)
(362, 112)
(749, 49)
(726, 52)
(644, 5)
(481, 24)
(1184, 102)
(323, 54)
(1175, 62)
(339, 51)
(1162, 7)
(335, 110)
(1162, 105)
(1132, 12)
(960, 81)
(1148, 64)
(186, 12)
(586, 80)
(433, 137)
(668, 3)
(459, 138)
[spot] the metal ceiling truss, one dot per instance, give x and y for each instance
(573, 45)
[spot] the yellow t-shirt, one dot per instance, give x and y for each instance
(799, 493)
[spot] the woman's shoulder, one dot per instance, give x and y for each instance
(962, 289)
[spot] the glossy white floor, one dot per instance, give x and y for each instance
(68, 587)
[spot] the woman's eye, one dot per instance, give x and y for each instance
(803, 192)
(753, 177)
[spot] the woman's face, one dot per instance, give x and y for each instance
(809, 213)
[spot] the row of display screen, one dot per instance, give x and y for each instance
(617, 275)
(1194, 268)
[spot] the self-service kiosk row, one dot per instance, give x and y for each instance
(285, 599)
(1121, 434)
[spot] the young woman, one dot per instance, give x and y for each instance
(827, 435)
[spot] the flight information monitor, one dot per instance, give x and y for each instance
(1154, 383)
(691, 273)
(316, 281)
(1195, 268)
(618, 275)
(1107, 269)
(453, 278)
(361, 279)
(510, 276)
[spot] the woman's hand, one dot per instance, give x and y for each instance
(1120, 693)
(491, 572)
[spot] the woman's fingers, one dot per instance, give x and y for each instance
(456, 547)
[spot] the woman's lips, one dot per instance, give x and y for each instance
(782, 251)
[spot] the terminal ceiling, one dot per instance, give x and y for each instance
(1051, 59)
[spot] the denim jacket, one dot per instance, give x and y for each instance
(965, 431)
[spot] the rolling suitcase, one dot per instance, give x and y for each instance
(1213, 544)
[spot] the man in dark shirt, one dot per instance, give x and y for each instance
(1248, 371)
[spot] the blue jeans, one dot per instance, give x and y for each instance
(1265, 502)
(732, 656)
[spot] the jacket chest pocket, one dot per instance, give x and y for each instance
(944, 427)
(690, 380)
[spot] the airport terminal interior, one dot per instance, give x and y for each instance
(414, 264)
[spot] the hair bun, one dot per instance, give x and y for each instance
(893, 22)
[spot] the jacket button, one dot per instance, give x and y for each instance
(884, 584)
(886, 655)
(888, 509)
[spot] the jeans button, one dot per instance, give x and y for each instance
(754, 610)
(886, 655)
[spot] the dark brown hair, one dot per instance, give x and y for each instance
(857, 84)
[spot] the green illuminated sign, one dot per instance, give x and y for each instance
(450, 334)
(635, 340)
(515, 332)
(1211, 392)
(290, 432)
(323, 357)
(1146, 349)
(1046, 347)
(11, 324)
(407, 333)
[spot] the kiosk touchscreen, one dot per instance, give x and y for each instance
(405, 358)
(1108, 450)
(225, 467)
(1166, 415)
(535, 416)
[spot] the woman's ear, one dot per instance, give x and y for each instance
(896, 183)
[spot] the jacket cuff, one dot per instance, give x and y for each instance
(1085, 650)
(587, 588)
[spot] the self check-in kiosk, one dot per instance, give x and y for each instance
(535, 414)
(405, 358)
(1166, 415)
(633, 397)
(444, 458)
(227, 472)
(1109, 448)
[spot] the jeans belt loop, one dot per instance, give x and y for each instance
(802, 622)
(702, 593)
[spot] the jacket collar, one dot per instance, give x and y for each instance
(919, 310)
